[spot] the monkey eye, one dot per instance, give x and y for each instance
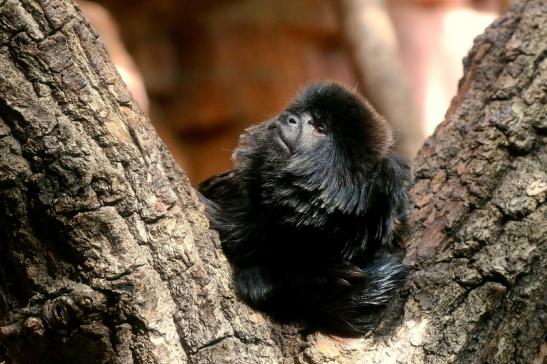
(318, 126)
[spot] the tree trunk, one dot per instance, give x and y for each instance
(106, 256)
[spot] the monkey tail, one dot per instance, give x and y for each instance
(357, 308)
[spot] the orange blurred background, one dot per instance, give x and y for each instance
(205, 70)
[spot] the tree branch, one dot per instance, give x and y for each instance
(104, 243)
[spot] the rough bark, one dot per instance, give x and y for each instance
(106, 256)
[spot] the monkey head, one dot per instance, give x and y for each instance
(317, 157)
(329, 116)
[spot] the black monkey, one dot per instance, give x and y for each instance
(312, 213)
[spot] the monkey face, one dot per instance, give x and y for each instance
(315, 159)
(296, 133)
(326, 122)
(356, 130)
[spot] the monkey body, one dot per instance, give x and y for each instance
(311, 215)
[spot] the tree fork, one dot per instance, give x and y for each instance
(106, 256)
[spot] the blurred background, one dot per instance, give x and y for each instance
(203, 71)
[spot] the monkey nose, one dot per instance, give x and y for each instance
(288, 118)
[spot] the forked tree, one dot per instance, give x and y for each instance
(106, 256)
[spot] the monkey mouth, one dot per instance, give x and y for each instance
(278, 138)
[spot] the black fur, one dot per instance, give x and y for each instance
(312, 213)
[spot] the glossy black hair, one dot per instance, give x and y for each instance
(316, 236)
